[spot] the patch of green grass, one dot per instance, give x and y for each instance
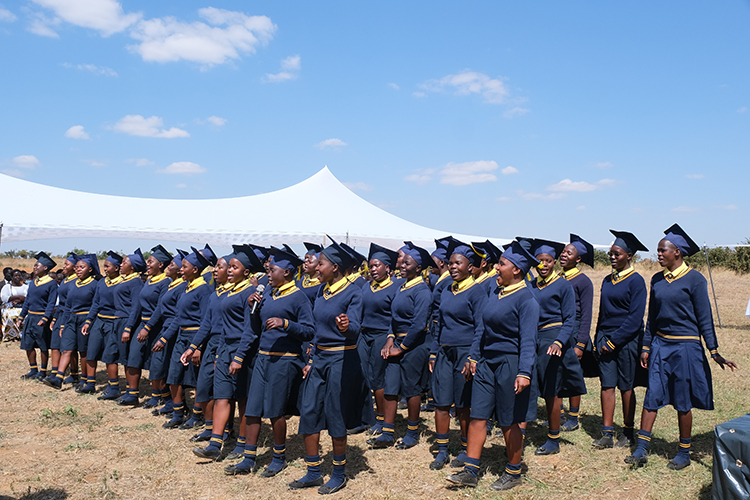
(79, 446)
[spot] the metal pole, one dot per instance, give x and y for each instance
(713, 290)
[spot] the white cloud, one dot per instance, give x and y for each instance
(224, 36)
(694, 176)
(104, 16)
(517, 111)
(25, 161)
(7, 16)
(140, 162)
(418, 178)
(290, 66)
(472, 172)
(603, 165)
(685, 209)
(95, 163)
(216, 120)
(331, 143)
(419, 94)
(394, 86)
(358, 186)
(14, 172)
(567, 185)
(76, 132)
(581, 207)
(539, 196)
(729, 207)
(492, 90)
(509, 170)
(147, 127)
(92, 68)
(182, 167)
(42, 25)
(181, 185)
(741, 110)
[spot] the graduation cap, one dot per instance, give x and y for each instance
(355, 254)
(384, 255)
(45, 260)
(468, 251)
(137, 261)
(262, 253)
(519, 256)
(197, 259)
(72, 257)
(681, 240)
(490, 250)
(287, 260)
(114, 258)
(525, 242)
(627, 241)
(421, 256)
(161, 254)
(247, 257)
(92, 262)
(313, 249)
(441, 249)
(552, 248)
(210, 255)
(338, 255)
(584, 248)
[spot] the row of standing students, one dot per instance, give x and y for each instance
(494, 340)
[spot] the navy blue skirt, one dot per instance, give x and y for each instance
(102, 345)
(449, 387)
(275, 386)
(72, 338)
(55, 340)
(333, 393)
(404, 374)
(235, 386)
(34, 336)
(678, 375)
(180, 374)
(122, 347)
(204, 391)
(494, 395)
(619, 368)
(139, 353)
(370, 345)
(555, 373)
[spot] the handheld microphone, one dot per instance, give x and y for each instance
(260, 290)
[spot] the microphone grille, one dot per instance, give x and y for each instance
(261, 288)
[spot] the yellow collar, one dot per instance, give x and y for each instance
(482, 277)
(308, 282)
(354, 277)
(460, 286)
(112, 282)
(157, 278)
(541, 282)
(493, 272)
(85, 282)
(70, 278)
(130, 276)
(226, 287)
(376, 286)
(285, 290)
(443, 276)
(507, 290)
(617, 277)
(238, 287)
(677, 273)
(176, 282)
(332, 289)
(199, 281)
(412, 282)
(571, 273)
(43, 280)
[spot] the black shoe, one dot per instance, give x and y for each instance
(401, 445)
(379, 444)
(198, 438)
(604, 442)
(173, 423)
(152, 403)
(128, 400)
(637, 461)
(270, 473)
(30, 376)
(542, 451)
(463, 478)
(624, 442)
(87, 389)
(233, 470)
(327, 490)
(41, 376)
(235, 455)
(402, 405)
(53, 382)
(192, 423)
(298, 485)
(672, 465)
(208, 453)
(356, 430)
(506, 482)
(109, 395)
(570, 425)
(439, 464)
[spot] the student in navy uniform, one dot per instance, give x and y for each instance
(161, 353)
(68, 274)
(236, 352)
(484, 272)
(679, 314)
(619, 331)
(355, 272)
(405, 350)
(37, 312)
(488, 276)
(575, 252)
(202, 353)
(126, 299)
(260, 277)
(208, 272)
(78, 302)
(502, 361)
(377, 297)
(103, 341)
(334, 388)
(191, 307)
(309, 283)
(460, 321)
(286, 320)
(557, 309)
(139, 349)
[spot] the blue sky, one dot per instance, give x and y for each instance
(495, 118)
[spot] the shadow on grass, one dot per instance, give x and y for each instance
(40, 494)
(356, 462)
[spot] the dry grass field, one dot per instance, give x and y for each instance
(64, 445)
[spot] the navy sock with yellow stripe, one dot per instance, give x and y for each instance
(250, 456)
(279, 457)
(412, 433)
(644, 441)
(628, 430)
(513, 469)
(442, 442)
(239, 448)
(573, 415)
(338, 475)
(313, 469)
(553, 440)
(216, 442)
(387, 435)
(472, 465)
(683, 452)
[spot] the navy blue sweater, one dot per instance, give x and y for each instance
(40, 299)
(622, 305)
(309, 287)
(211, 323)
(104, 300)
(441, 283)
(191, 306)
(148, 300)
(584, 292)
(290, 304)
(80, 298)
(411, 310)
(376, 304)
(237, 324)
(460, 314)
(557, 306)
(341, 297)
(167, 306)
(62, 295)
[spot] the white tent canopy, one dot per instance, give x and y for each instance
(28, 216)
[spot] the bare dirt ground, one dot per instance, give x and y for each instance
(56, 445)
